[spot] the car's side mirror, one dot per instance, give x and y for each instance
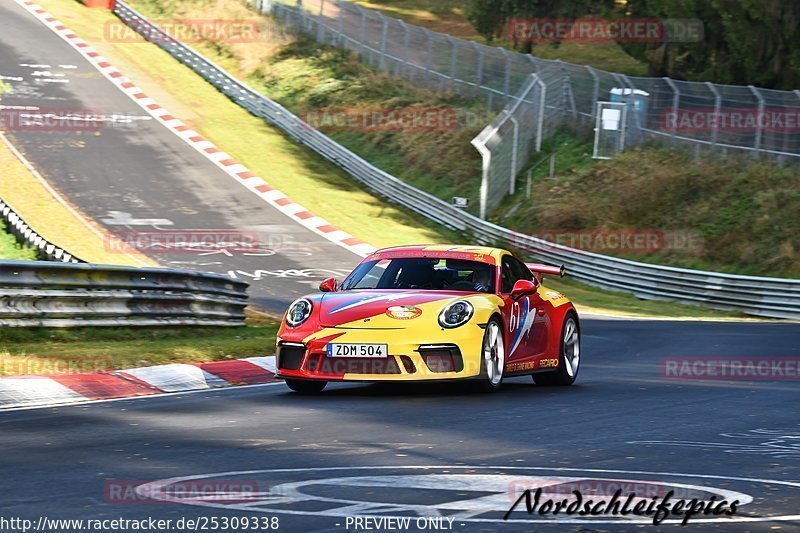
(329, 285)
(522, 288)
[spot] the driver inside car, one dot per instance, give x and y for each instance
(481, 279)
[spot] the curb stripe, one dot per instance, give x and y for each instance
(27, 391)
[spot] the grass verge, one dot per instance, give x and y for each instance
(13, 250)
(731, 216)
(36, 351)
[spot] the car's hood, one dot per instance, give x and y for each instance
(367, 308)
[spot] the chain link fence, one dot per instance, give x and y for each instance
(703, 117)
(760, 296)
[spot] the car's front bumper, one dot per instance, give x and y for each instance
(456, 354)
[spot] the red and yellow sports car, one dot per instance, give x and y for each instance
(417, 313)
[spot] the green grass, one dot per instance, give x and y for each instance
(56, 350)
(741, 216)
(12, 250)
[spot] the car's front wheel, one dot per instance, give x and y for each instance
(493, 357)
(306, 387)
(569, 359)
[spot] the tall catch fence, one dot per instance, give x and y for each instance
(703, 117)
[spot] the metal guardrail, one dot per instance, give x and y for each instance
(46, 249)
(760, 296)
(43, 293)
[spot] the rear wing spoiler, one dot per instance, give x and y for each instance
(539, 270)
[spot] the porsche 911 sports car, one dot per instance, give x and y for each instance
(417, 313)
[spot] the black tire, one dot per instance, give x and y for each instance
(306, 387)
(490, 380)
(568, 359)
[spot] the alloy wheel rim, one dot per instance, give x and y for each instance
(494, 354)
(572, 348)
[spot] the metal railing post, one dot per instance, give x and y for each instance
(453, 62)
(362, 38)
(384, 38)
(514, 157)
(406, 38)
(595, 90)
(760, 130)
(676, 105)
(717, 109)
(428, 52)
(507, 78)
(479, 78)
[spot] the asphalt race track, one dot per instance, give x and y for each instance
(452, 458)
(58, 461)
(136, 170)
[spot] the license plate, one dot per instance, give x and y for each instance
(358, 350)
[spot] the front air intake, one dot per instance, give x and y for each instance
(441, 358)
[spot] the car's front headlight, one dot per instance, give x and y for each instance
(299, 312)
(456, 314)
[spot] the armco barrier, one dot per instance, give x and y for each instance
(42, 293)
(17, 227)
(760, 296)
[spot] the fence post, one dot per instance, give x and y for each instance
(567, 89)
(405, 48)
(676, 105)
(595, 90)
(479, 80)
(717, 108)
(362, 32)
(384, 37)
(542, 109)
(340, 36)
(760, 130)
(486, 157)
(453, 63)
(515, 149)
(507, 79)
(321, 25)
(428, 52)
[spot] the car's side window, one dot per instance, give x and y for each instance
(513, 271)
(508, 276)
(520, 270)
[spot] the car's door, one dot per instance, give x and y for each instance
(526, 318)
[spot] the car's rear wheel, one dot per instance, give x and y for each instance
(493, 357)
(569, 359)
(306, 387)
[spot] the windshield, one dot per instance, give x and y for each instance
(422, 273)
